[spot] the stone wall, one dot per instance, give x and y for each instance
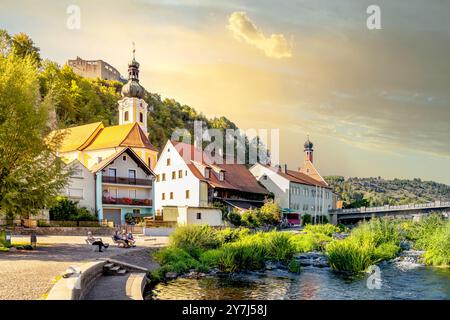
(66, 231)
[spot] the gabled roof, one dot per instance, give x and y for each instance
(125, 135)
(105, 162)
(237, 176)
(297, 177)
(76, 138)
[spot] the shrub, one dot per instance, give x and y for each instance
(306, 219)
(234, 217)
(195, 239)
(270, 213)
(251, 219)
(67, 210)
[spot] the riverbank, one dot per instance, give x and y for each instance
(198, 250)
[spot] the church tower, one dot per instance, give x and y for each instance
(133, 108)
(308, 150)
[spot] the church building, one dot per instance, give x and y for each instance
(112, 165)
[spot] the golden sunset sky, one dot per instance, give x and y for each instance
(375, 102)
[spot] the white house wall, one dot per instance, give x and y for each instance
(85, 183)
(178, 185)
(275, 183)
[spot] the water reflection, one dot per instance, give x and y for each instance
(312, 283)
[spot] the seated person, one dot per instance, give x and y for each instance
(96, 242)
(118, 237)
(131, 239)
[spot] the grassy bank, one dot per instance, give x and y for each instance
(234, 250)
(380, 239)
(202, 248)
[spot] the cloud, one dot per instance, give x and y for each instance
(243, 29)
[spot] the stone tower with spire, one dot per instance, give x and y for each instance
(132, 107)
(308, 148)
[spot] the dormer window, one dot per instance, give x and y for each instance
(207, 173)
(221, 175)
(141, 117)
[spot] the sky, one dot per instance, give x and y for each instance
(374, 102)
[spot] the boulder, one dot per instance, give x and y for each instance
(171, 275)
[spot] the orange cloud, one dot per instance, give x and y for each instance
(243, 29)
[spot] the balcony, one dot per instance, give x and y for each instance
(127, 201)
(127, 181)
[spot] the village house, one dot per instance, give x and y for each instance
(188, 185)
(297, 192)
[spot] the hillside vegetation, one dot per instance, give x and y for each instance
(73, 100)
(357, 192)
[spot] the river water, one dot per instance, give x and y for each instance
(399, 280)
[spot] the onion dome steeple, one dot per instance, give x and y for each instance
(132, 89)
(308, 150)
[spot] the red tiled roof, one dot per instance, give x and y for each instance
(236, 177)
(298, 177)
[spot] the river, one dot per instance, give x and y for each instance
(399, 280)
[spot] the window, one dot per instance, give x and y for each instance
(125, 116)
(221, 175)
(168, 161)
(157, 178)
(207, 173)
(112, 192)
(174, 175)
(185, 173)
(199, 216)
(264, 177)
(112, 172)
(163, 196)
(124, 158)
(141, 117)
(77, 173)
(187, 194)
(149, 161)
(171, 195)
(163, 177)
(75, 193)
(132, 193)
(180, 174)
(132, 174)
(136, 212)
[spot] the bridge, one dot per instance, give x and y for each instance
(349, 216)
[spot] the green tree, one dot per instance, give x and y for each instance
(30, 173)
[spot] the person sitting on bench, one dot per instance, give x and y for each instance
(131, 239)
(120, 239)
(96, 242)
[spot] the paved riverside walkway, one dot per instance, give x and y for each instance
(29, 275)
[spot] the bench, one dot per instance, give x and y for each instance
(120, 243)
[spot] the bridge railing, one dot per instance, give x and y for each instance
(436, 204)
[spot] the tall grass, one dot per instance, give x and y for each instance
(369, 243)
(438, 247)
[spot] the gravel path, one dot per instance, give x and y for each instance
(29, 275)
